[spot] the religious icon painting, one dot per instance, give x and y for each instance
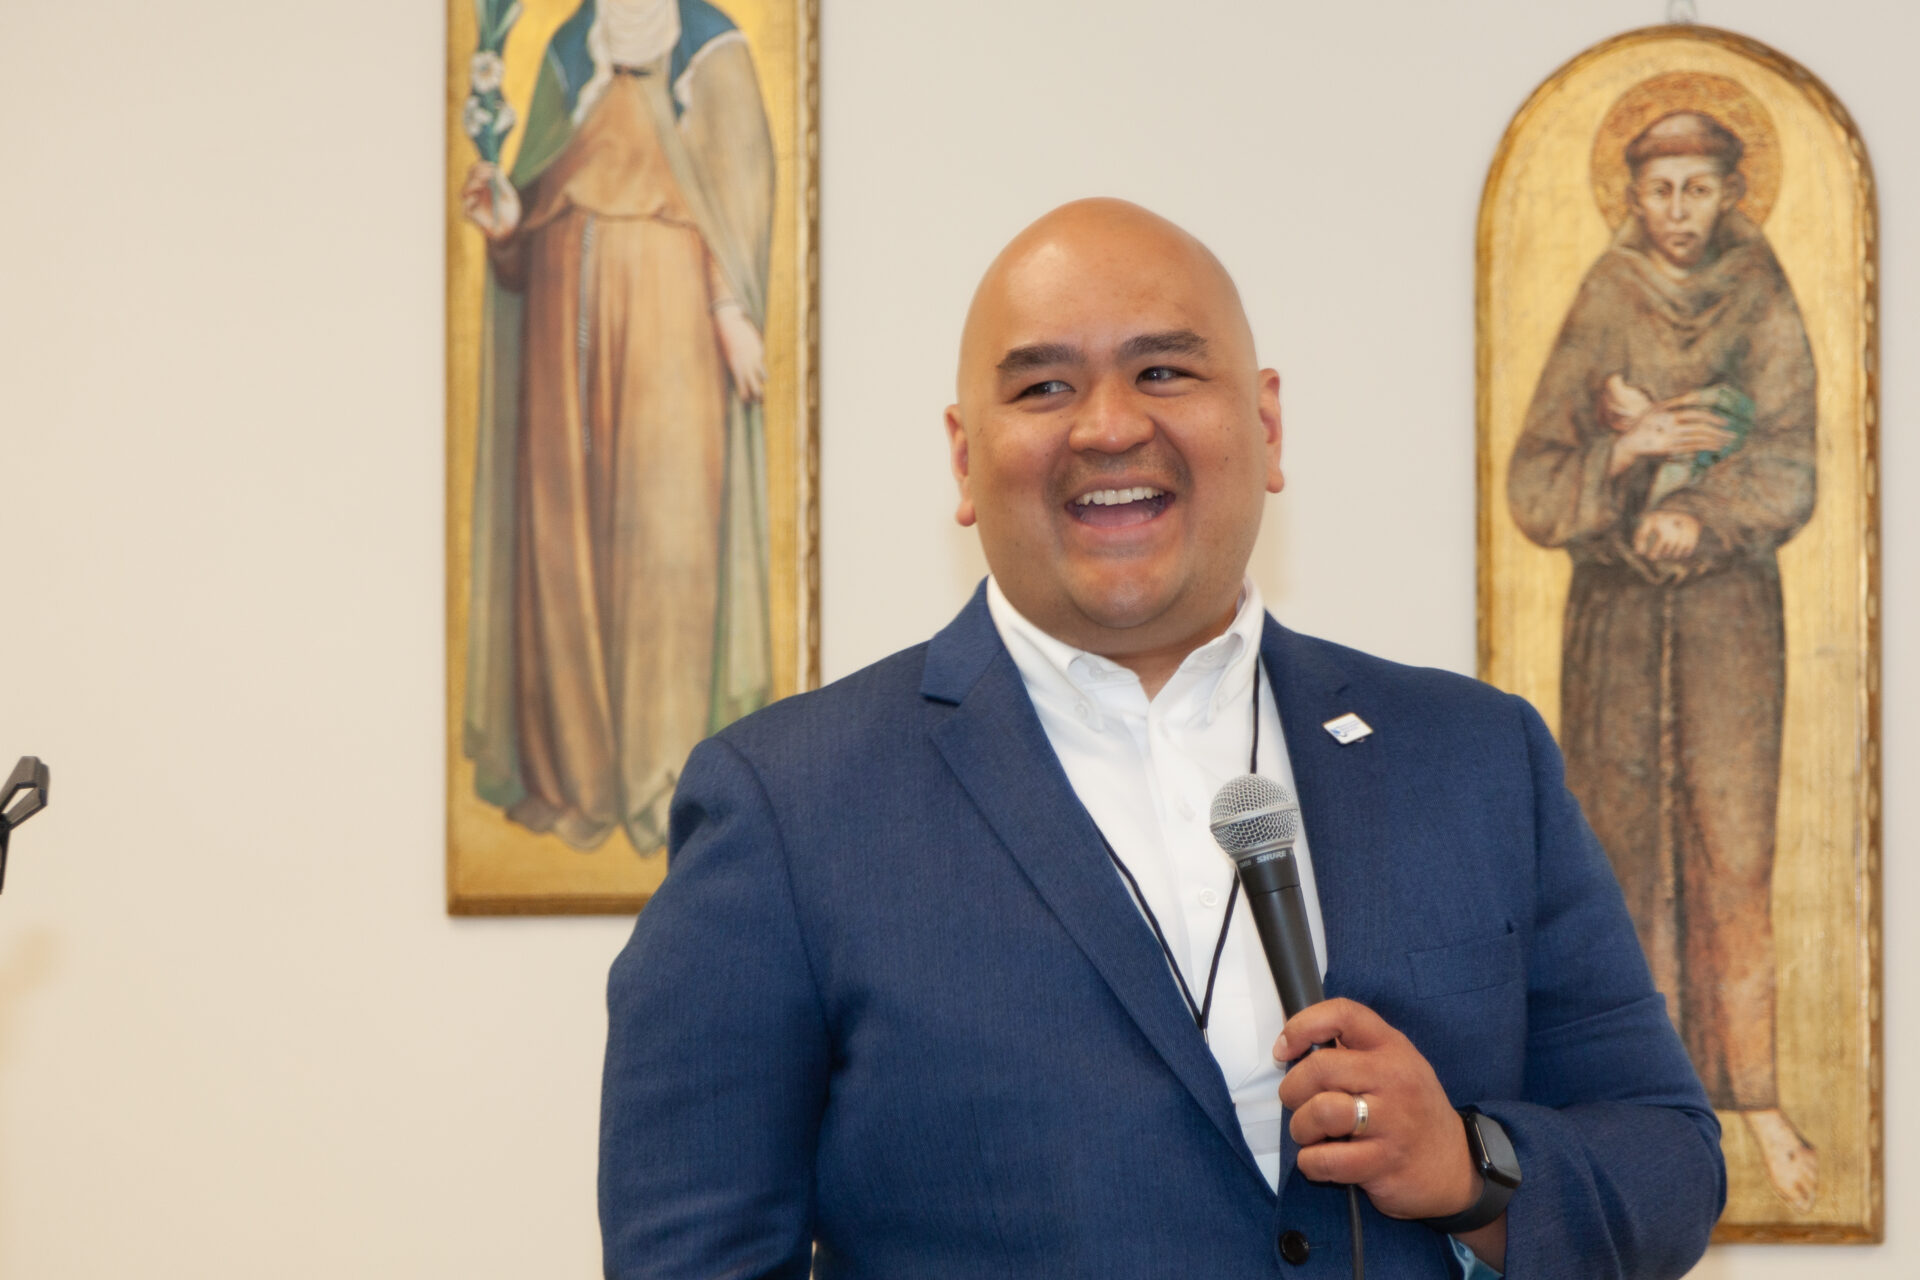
(632, 549)
(1679, 564)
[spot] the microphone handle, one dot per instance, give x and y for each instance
(1271, 881)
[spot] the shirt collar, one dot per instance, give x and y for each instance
(1213, 674)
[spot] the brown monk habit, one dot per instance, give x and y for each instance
(1673, 672)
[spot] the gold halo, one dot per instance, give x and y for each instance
(1727, 101)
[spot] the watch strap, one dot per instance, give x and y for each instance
(1495, 1189)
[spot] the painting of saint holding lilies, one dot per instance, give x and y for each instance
(629, 438)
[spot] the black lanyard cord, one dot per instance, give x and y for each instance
(1203, 1008)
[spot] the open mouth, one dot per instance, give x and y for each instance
(1116, 508)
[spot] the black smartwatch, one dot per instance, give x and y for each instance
(1499, 1171)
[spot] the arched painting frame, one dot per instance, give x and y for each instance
(1700, 627)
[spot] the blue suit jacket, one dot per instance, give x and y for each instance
(893, 998)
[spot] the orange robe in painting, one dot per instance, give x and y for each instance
(623, 411)
(1673, 673)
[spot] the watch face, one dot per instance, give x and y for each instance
(1496, 1157)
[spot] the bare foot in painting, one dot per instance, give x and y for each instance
(1792, 1164)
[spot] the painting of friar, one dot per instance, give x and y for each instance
(1669, 449)
(619, 606)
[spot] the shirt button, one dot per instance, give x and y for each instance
(1294, 1247)
(1084, 711)
(1208, 898)
(1186, 810)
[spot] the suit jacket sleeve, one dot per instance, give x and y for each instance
(717, 1051)
(1619, 1150)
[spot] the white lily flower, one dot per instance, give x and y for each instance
(486, 72)
(475, 119)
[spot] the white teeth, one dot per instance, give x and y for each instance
(1114, 497)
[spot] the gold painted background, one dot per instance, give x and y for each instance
(494, 866)
(1540, 230)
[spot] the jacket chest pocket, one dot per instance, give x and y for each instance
(1475, 964)
(1470, 1005)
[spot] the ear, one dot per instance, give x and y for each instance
(1269, 404)
(1733, 190)
(957, 453)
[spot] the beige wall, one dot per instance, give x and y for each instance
(238, 1036)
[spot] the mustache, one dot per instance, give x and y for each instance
(1151, 463)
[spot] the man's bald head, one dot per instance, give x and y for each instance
(1113, 438)
(1095, 237)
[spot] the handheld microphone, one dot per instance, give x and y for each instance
(1257, 822)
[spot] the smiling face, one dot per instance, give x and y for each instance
(1679, 200)
(1113, 439)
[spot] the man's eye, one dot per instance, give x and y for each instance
(1161, 373)
(1051, 387)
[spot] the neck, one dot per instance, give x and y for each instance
(1673, 270)
(1156, 666)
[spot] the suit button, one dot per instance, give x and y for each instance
(1294, 1247)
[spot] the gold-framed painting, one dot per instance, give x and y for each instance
(1678, 542)
(632, 461)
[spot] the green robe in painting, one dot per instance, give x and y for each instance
(1673, 673)
(619, 607)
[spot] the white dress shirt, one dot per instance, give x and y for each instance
(1147, 773)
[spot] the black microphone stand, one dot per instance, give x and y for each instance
(29, 776)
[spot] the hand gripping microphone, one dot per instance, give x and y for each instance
(1256, 821)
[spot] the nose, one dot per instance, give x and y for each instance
(1676, 206)
(1112, 419)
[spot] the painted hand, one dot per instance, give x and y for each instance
(1666, 535)
(1673, 427)
(745, 351)
(1622, 404)
(489, 201)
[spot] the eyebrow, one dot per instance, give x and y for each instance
(1037, 356)
(1168, 342)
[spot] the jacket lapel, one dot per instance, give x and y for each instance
(1342, 794)
(993, 741)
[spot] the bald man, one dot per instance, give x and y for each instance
(948, 977)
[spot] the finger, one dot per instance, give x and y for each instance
(1332, 1070)
(1348, 1021)
(1345, 1162)
(1327, 1115)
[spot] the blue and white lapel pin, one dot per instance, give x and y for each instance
(1347, 729)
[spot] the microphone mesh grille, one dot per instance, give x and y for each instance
(1252, 812)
